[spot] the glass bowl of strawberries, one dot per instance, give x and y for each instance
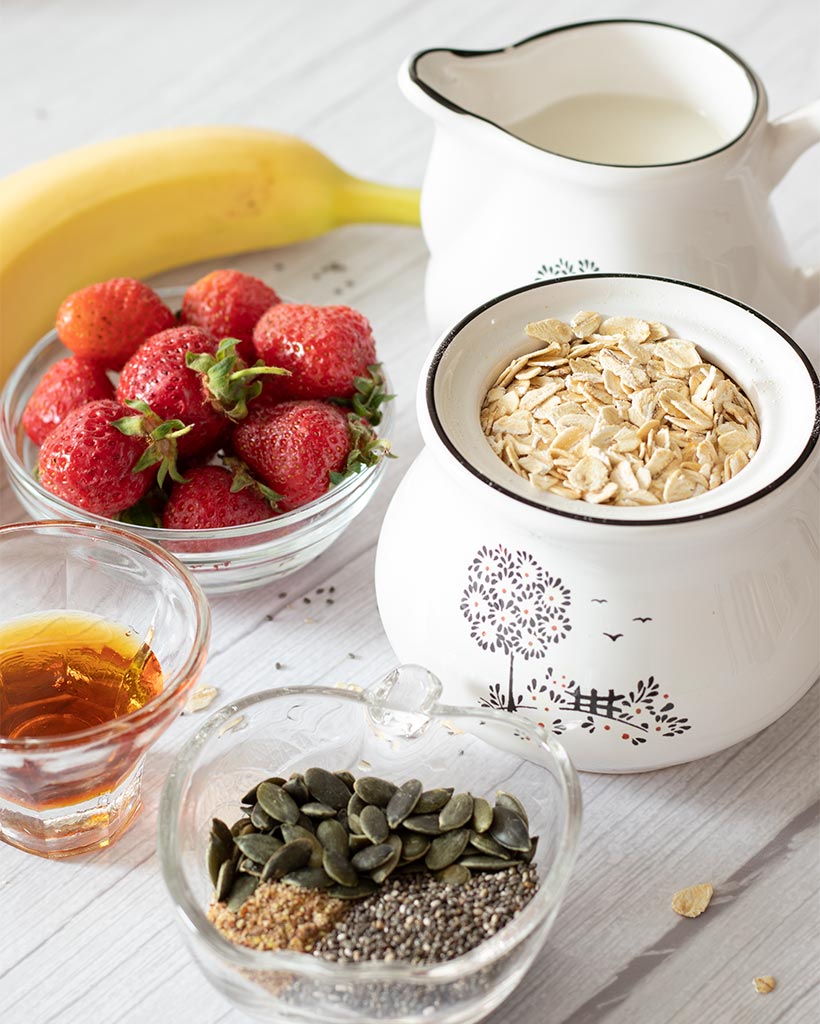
(240, 432)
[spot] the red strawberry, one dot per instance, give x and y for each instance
(104, 458)
(211, 497)
(110, 320)
(299, 448)
(228, 303)
(325, 348)
(64, 386)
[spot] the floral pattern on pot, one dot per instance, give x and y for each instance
(515, 607)
(563, 268)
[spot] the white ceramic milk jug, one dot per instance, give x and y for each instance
(611, 146)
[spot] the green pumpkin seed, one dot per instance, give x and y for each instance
(374, 824)
(276, 803)
(224, 881)
(454, 874)
(432, 800)
(333, 836)
(486, 844)
(295, 787)
(220, 831)
(238, 827)
(364, 887)
(325, 787)
(260, 848)
(372, 857)
(508, 828)
(260, 819)
(357, 843)
(427, 824)
(355, 805)
(243, 887)
(456, 812)
(309, 878)
(308, 824)
(346, 777)
(414, 846)
(381, 873)
(250, 797)
(403, 802)
(528, 856)
(247, 829)
(374, 790)
(315, 809)
(290, 857)
(339, 868)
(482, 814)
(218, 853)
(481, 862)
(292, 832)
(249, 867)
(354, 823)
(445, 850)
(512, 803)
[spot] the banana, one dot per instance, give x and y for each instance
(138, 205)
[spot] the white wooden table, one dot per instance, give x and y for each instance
(92, 939)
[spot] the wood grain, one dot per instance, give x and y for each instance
(98, 932)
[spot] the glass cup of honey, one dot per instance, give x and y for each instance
(102, 636)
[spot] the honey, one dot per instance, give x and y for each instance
(63, 671)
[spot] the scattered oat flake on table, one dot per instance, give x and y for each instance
(200, 699)
(693, 901)
(764, 984)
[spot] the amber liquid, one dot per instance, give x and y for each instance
(62, 672)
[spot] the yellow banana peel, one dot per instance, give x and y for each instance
(142, 204)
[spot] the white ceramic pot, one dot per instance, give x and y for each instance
(652, 635)
(498, 212)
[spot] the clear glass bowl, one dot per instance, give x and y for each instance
(224, 560)
(396, 730)
(67, 794)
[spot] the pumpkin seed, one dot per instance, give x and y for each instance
(414, 846)
(374, 790)
(355, 805)
(290, 857)
(249, 867)
(243, 887)
(427, 824)
(354, 823)
(309, 878)
(327, 788)
(357, 843)
(220, 831)
(346, 777)
(454, 874)
(445, 850)
(237, 829)
(432, 800)
(374, 824)
(512, 803)
(527, 857)
(403, 802)
(218, 853)
(293, 832)
(482, 814)
(382, 872)
(303, 821)
(508, 828)
(250, 797)
(224, 881)
(364, 887)
(456, 812)
(481, 862)
(339, 868)
(372, 857)
(486, 844)
(247, 829)
(276, 803)
(315, 809)
(260, 819)
(333, 836)
(295, 787)
(258, 847)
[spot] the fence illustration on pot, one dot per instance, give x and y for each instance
(514, 606)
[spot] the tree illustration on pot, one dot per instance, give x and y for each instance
(515, 607)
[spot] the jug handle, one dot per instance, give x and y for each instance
(788, 138)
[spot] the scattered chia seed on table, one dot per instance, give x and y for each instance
(419, 920)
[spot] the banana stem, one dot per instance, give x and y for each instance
(367, 201)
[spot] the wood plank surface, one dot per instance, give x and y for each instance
(93, 939)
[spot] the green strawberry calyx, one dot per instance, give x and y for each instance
(365, 449)
(242, 478)
(369, 397)
(160, 436)
(229, 382)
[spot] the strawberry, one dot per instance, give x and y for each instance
(182, 373)
(299, 448)
(108, 321)
(104, 458)
(64, 386)
(228, 303)
(325, 348)
(211, 497)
